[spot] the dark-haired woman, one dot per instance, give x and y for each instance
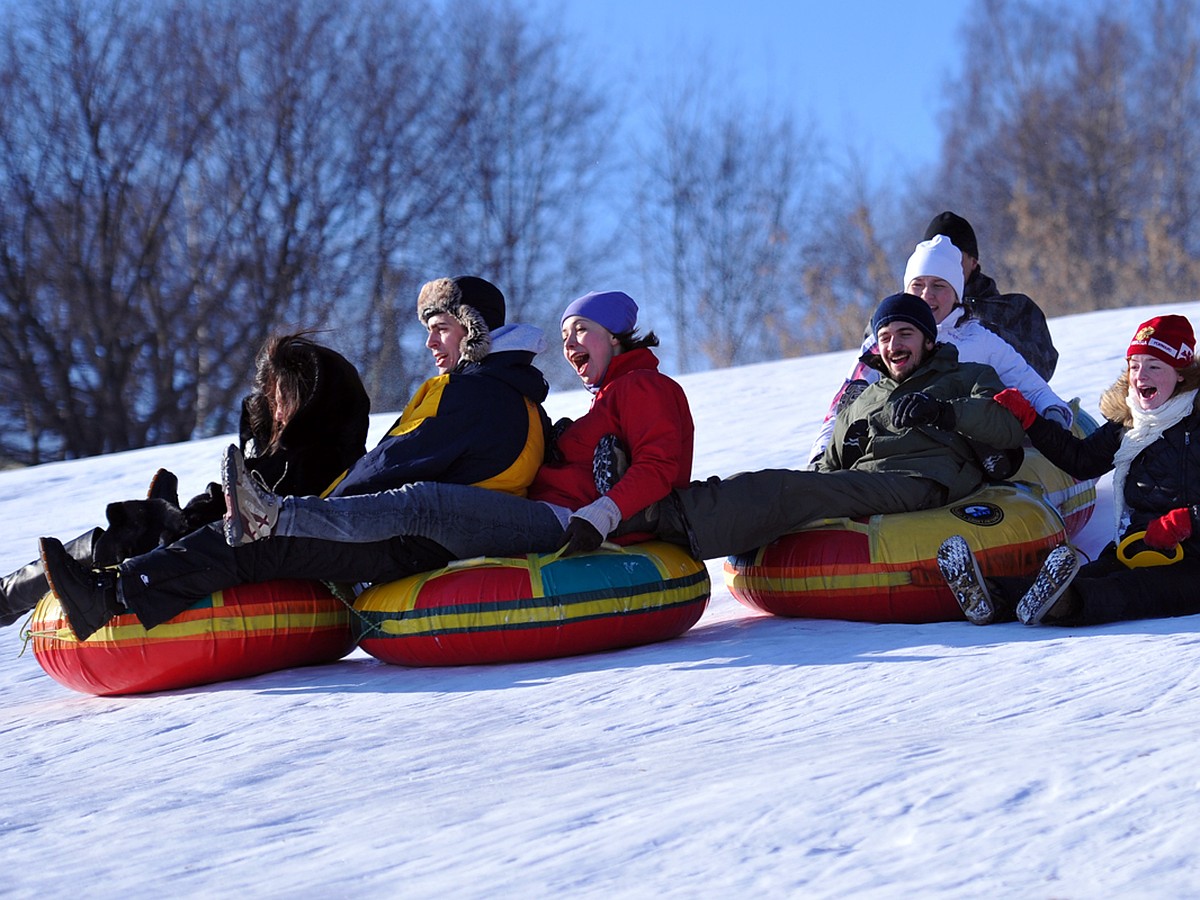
(303, 424)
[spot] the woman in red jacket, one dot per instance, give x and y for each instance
(646, 411)
(579, 495)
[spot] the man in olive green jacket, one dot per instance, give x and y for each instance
(904, 444)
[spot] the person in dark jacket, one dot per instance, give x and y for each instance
(479, 421)
(304, 422)
(1015, 317)
(904, 444)
(1150, 441)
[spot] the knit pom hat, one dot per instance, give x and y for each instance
(615, 310)
(955, 227)
(476, 304)
(937, 257)
(904, 308)
(1168, 338)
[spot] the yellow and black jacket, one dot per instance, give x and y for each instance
(481, 425)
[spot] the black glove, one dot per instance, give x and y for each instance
(580, 537)
(920, 409)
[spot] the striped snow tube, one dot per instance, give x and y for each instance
(536, 607)
(235, 633)
(1075, 500)
(884, 569)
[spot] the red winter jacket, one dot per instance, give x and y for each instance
(649, 412)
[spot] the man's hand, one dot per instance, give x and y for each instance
(920, 409)
(1014, 401)
(1167, 531)
(580, 536)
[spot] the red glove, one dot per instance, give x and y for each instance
(1014, 401)
(1167, 531)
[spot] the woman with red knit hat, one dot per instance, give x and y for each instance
(1150, 441)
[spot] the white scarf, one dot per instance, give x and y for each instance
(1148, 427)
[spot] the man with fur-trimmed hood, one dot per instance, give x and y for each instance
(478, 422)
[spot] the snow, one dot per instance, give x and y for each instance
(755, 755)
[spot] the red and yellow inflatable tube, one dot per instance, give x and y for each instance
(1074, 500)
(535, 607)
(236, 633)
(884, 569)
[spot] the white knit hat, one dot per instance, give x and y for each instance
(939, 258)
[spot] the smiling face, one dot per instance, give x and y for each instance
(445, 339)
(937, 293)
(1151, 381)
(903, 347)
(589, 347)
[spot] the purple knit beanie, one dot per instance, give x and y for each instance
(615, 310)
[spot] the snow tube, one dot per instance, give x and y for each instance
(884, 569)
(242, 631)
(536, 607)
(1074, 500)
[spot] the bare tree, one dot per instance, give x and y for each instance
(99, 135)
(531, 151)
(180, 178)
(1075, 159)
(728, 197)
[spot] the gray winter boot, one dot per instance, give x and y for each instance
(1048, 589)
(251, 510)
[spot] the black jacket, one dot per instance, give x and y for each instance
(1016, 318)
(323, 438)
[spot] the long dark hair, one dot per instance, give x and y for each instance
(630, 340)
(286, 363)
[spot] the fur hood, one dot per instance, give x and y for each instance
(475, 303)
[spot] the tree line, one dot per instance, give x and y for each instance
(180, 178)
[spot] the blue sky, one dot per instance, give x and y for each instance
(869, 73)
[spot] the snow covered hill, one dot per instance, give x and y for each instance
(754, 756)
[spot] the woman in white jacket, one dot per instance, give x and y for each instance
(934, 273)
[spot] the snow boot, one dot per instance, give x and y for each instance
(1047, 598)
(960, 568)
(136, 527)
(21, 590)
(88, 596)
(164, 486)
(609, 462)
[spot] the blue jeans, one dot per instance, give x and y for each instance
(467, 521)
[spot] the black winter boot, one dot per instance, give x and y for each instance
(136, 527)
(88, 596)
(164, 486)
(984, 601)
(664, 519)
(21, 590)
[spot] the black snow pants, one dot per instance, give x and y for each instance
(164, 582)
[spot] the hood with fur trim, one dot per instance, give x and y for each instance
(477, 305)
